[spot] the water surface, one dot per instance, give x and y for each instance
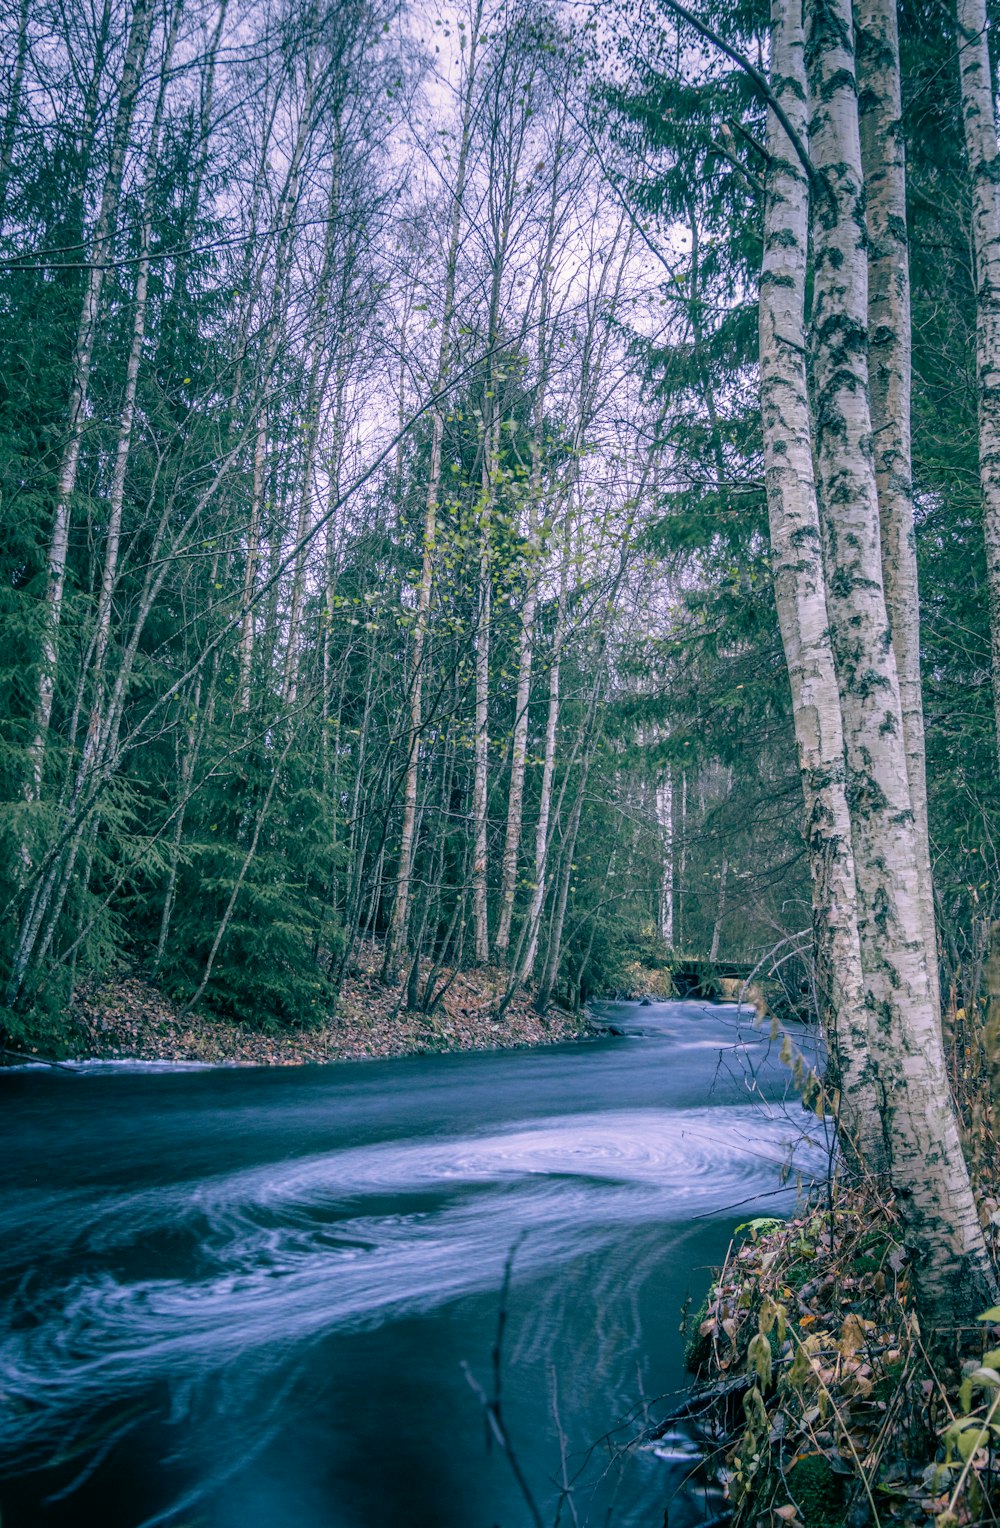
(246, 1298)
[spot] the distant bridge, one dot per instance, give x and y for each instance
(787, 996)
(704, 978)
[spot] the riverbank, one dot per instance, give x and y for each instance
(126, 1017)
(818, 1391)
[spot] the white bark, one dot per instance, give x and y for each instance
(83, 355)
(720, 912)
(116, 497)
(526, 643)
(553, 953)
(591, 374)
(665, 822)
(396, 940)
(482, 739)
(319, 370)
(52, 889)
(951, 1265)
(534, 917)
(506, 130)
(979, 115)
(800, 594)
(519, 754)
(285, 221)
(883, 156)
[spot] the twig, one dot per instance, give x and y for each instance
(763, 88)
(39, 1060)
(566, 1489)
(491, 1408)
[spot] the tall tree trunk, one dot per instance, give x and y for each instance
(194, 739)
(526, 965)
(553, 953)
(952, 1270)
(518, 760)
(80, 368)
(592, 364)
(584, 748)
(720, 910)
(395, 944)
(275, 329)
(979, 116)
(526, 641)
(800, 597)
(991, 1028)
(890, 366)
(480, 788)
(680, 828)
(116, 498)
(665, 822)
(319, 372)
(51, 891)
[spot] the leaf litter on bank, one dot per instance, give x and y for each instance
(830, 1409)
(128, 1017)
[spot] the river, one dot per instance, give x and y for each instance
(249, 1298)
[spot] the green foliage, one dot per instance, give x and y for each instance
(817, 1491)
(221, 792)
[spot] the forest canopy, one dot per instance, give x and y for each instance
(382, 500)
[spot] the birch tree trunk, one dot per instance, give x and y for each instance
(80, 368)
(482, 739)
(526, 643)
(505, 128)
(553, 952)
(890, 366)
(396, 941)
(526, 963)
(519, 754)
(319, 372)
(665, 823)
(97, 722)
(680, 818)
(952, 1270)
(720, 912)
(800, 595)
(285, 221)
(116, 498)
(979, 117)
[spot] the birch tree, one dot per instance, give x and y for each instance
(537, 530)
(928, 1172)
(883, 157)
(396, 937)
(979, 118)
(80, 370)
(800, 592)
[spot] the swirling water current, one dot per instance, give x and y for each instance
(248, 1298)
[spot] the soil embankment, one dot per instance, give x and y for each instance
(128, 1017)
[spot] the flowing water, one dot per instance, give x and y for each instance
(242, 1298)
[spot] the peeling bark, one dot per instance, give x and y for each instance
(979, 116)
(395, 944)
(800, 597)
(83, 356)
(952, 1270)
(890, 369)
